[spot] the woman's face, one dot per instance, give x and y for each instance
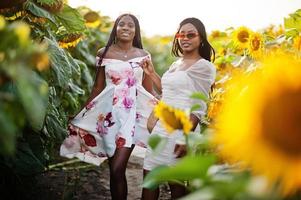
(125, 29)
(189, 39)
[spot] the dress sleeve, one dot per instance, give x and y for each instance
(202, 76)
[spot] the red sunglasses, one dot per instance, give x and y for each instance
(189, 36)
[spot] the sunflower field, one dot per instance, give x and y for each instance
(249, 146)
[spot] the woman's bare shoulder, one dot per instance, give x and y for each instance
(100, 51)
(142, 52)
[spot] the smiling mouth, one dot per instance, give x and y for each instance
(125, 34)
(185, 45)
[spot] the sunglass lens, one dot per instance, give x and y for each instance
(191, 35)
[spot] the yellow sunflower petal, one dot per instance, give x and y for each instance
(255, 45)
(259, 122)
(241, 37)
(172, 118)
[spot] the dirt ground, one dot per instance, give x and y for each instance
(80, 181)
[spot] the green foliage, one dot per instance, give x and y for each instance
(292, 24)
(157, 143)
(71, 19)
(188, 168)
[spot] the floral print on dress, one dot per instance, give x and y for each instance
(131, 81)
(72, 130)
(128, 73)
(120, 142)
(88, 107)
(127, 102)
(103, 123)
(115, 77)
(115, 100)
(94, 133)
(90, 140)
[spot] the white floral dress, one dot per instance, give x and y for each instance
(115, 118)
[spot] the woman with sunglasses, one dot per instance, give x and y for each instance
(114, 117)
(192, 72)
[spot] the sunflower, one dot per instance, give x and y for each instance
(216, 97)
(241, 37)
(172, 118)
(92, 19)
(255, 45)
(70, 40)
(259, 122)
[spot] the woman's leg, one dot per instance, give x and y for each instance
(177, 190)
(148, 194)
(118, 163)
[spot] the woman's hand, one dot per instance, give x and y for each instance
(151, 122)
(147, 66)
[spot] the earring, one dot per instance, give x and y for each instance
(202, 44)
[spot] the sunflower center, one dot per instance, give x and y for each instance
(282, 122)
(255, 44)
(243, 36)
(171, 119)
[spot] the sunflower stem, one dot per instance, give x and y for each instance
(187, 145)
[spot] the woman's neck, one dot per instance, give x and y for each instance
(191, 56)
(124, 46)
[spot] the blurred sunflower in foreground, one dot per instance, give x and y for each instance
(172, 118)
(260, 122)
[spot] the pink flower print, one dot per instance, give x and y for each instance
(90, 105)
(114, 76)
(100, 128)
(127, 102)
(82, 132)
(101, 117)
(71, 141)
(108, 120)
(128, 73)
(115, 100)
(122, 92)
(130, 81)
(120, 142)
(90, 140)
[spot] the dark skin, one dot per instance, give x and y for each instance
(123, 50)
(190, 56)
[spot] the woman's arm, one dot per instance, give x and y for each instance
(98, 86)
(147, 83)
(149, 70)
